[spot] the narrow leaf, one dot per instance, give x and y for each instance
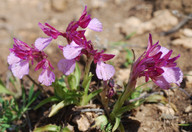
(93, 94)
(3, 89)
(72, 82)
(117, 122)
(156, 98)
(77, 75)
(45, 101)
(50, 128)
(31, 91)
(56, 108)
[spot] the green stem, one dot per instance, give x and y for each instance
(38, 85)
(87, 69)
(86, 81)
(104, 98)
(127, 92)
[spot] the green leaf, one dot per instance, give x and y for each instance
(135, 94)
(184, 125)
(72, 82)
(155, 98)
(117, 122)
(77, 74)
(31, 91)
(124, 109)
(101, 121)
(74, 78)
(86, 85)
(93, 94)
(32, 99)
(3, 89)
(130, 35)
(55, 108)
(60, 87)
(50, 128)
(65, 130)
(47, 100)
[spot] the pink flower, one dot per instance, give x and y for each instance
(18, 66)
(66, 66)
(85, 21)
(49, 30)
(73, 34)
(72, 50)
(47, 76)
(95, 25)
(42, 43)
(20, 56)
(155, 63)
(104, 71)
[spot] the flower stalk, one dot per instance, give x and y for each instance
(87, 69)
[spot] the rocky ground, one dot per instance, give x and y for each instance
(120, 18)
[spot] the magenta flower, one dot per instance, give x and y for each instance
(72, 50)
(20, 56)
(50, 31)
(18, 66)
(85, 21)
(73, 34)
(155, 63)
(47, 76)
(104, 71)
(66, 66)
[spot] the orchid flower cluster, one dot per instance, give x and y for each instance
(155, 63)
(21, 53)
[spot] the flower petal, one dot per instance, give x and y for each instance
(95, 25)
(11, 59)
(150, 42)
(20, 68)
(104, 71)
(72, 50)
(46, 77)
(66, 66)
(170, 75)
(42, 43)
(164, 51)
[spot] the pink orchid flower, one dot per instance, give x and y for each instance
(104, 71)
(47, 76)
(155, 63)
(20, 56)
(85, 21)
(50, 31)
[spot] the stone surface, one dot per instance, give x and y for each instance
(98, 3)
(187, 32)
(83, 123)
(59, 5)
(189, 77)
(188, 109)
(186, 42)
(162, 20)
(123, 74)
